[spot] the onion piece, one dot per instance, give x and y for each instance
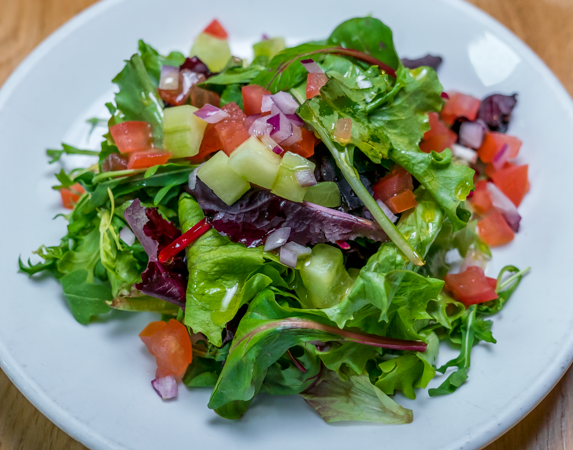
(269, 142)
(282, 128)
(166, 387)
(387, 211)
(295, 137)
(295, 119)
(311, 66)
(277, 239)
(343, 245)
(169, 78)
(445, 95)
(467, 154)
(127, 236)
(305, 177)
(501, 157)
(291, 252)
(472, 134)
(285, 102)
(278, 150)
(504, 206)
(267, 103)
(211, 114)
(474, 258)
(260, 127)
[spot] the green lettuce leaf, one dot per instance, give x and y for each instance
(85, 299)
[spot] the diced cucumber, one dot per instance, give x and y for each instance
(324, 194)
(254, 161)
(324, 276)
(286, 185)
(214, 52)
(223, 181)
(269, 47)
(182, 131)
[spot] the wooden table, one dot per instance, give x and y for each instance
(545, 25)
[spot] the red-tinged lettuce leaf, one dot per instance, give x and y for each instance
(496, 110)
(428, 60)
(259, 212)
(164, 281)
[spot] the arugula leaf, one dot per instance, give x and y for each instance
(84, 256)
(85, 299)
(68, 150)
(505, 288)
(356, 398)
(153, 61)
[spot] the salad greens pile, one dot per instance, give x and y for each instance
(255, 321)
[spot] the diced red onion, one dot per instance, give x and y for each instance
(278, 150)
(467, 154)
(266, 103)
(504, 206)
(127, 236)
(250, 119)
(166, 387)
(472, 134)
(277, 238)
(311, 66)
(211, 114)
(305, 177)
(260, 127)
(474, 258)
(291, 252)
(286, 103)
(387, 211)
(269, 142)
(295, 137)
(501, 157)
(295, 119)
(362, 83)
(169, 78)
(282, 128)
(445, 95)
(343, 245)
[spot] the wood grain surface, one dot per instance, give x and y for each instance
(545, 25)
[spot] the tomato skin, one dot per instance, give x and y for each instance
(494, 142)
(305, 147)
(231, 130)
(314, 81)
(513, 182)
(253, 98)
(210, 144)
(131, 136)
(393, 183)
(216, 29)
(459, 105)
(71, 196)
(148, 158)
(438, 137)
(494, 230)
(470, 286)
(481, 200)
(402, 202)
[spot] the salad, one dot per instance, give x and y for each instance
(316, 221)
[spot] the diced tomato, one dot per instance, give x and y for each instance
(253, 98)
(210, 144)
(393, 183)
(492, 282)
(459, 105)
(304, 147)
(402, 202)
(470, 286)
(216, 29)
(71, 196)
(147, 158)
(188, 80)
(481, 200)
(494, 230)
(494, 142)
(132, 136)
(200, 97)
(314, 81)
(170, 344)
(231, 130)
(490, 170)
(513, 182)
(438, 137)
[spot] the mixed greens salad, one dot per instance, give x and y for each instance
(313, 222)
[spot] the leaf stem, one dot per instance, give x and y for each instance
(117, 174)
(512, 278)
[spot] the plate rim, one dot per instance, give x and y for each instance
(488, 432)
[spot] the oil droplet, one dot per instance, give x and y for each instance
(462, 190)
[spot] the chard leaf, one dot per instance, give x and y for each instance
(85, 299)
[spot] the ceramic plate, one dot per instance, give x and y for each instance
(94, 381)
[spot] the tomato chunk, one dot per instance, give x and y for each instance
(459, 105)
(171, 345)
(470, 286)
(231, 130)
(304, 147)
(513, 182)
(490, 170)
(210, 144)
(253, 98)
(402, 202)
(494, 142)
(71, 196)
(481, 200)
(147, 158)
(392, 184)
(216, 29)
(438, 137)
(314, 81)
(132, 136)
(494, 230)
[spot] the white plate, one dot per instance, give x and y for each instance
(94, 381)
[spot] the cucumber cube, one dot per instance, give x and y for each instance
(326, 280)
(182, 131)
(324, 194)
(269, 47)
(286, 185)
(214, 52)
(254, 161)
(223, 181)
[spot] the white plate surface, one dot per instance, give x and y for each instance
(93, 381)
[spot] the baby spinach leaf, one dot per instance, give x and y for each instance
(85, 299)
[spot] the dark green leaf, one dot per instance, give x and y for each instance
(69, 150)
(85, 299)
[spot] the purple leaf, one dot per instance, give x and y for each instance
(429, 60)
(258, 213)
(495, 111)
(196, 65)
